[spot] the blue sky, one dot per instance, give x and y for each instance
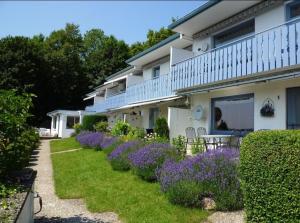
(127, 20)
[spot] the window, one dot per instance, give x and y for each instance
(54, 119)
(293, 10)
(235, 113)
(153, 115)
(71, 121)
(234, 33)
(293, 108)
(156, 72)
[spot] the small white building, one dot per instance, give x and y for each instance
(63, 121)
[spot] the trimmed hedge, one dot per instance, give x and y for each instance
(89, 121)
(270, 174)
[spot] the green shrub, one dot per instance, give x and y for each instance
(186, 193)
(121, 128)
(198, 146)
(16, 154)
(77, 128)
(101, 127)
(119, 157)
(89, 121)
(161, 127)
(270, 167)
(17, 138)
(179, 143)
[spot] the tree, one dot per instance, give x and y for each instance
(67, 80)
(153, 37)
(103, 56)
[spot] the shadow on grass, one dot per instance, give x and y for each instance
(74, 219)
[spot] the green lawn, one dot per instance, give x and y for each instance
(87, 174)
(64, 144)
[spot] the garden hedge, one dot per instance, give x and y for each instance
(270, 175)
(89, 121)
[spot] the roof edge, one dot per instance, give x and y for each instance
(119, 72)
(154, 47)
(193, 13)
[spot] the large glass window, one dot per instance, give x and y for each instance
(235, 113)
(293, 10)
(234, 33)
(71, 121)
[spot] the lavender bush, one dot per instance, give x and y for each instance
(213, 173)
(119, 157)
(147, 160)
(97, 140)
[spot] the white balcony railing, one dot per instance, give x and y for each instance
(144, 91)
(149, 90)
(272, 49)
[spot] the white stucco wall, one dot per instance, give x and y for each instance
(269, 19)
(164, 69)
(133, 79)
(178, 120)
(113, 117)
(275, 90)
(98, 99)
(177, 55)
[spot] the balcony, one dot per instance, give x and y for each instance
(260, 53)
(149, 90)
(146, 91)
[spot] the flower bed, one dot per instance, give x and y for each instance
(96, 140)
(119, 157)
(148, 159)
(210, 174)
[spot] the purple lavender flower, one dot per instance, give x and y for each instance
(119, 157)
(215, 173)
(93, 139)
(148, 159)
(108, 141)
(122, 148)
(208, 166)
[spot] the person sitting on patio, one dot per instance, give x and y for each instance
(220, 124)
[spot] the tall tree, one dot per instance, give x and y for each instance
(103, 56)
(67, 80)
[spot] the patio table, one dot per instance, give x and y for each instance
(216, 140)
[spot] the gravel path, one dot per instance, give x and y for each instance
(59, 210)
(226, 217)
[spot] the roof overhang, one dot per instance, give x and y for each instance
(120, 73)
(160, 50)
(209, 14)
(115, 80)
(64, 112)
(147, 103)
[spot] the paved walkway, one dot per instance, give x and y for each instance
(60, 210)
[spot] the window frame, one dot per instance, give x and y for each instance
(153, 72)
(288, 7)
(74, 121)
(153, 110)
(230, 28)
(213, 100)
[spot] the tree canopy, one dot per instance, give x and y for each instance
(62, 67)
